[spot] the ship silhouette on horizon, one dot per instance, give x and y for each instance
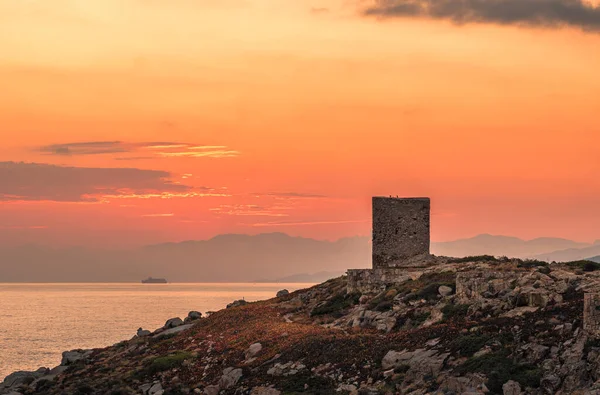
(151, 280)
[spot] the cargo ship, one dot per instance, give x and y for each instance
(151, 280)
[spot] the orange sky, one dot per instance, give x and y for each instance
(287, 116)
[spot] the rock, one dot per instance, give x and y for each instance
(444, 290)
(286, 369)
(212, 390)
(283, 292)
(142, 332)
(253, 350)
(550, 383)
(511, 388)
(264, 391)
(520, 311)
(17, 378)
(230, 377)
(173, 323)
(144, 388)
(364, 299)
(173, 330)
(194, 315)
(69, 357)
(421, 362)
(534, 352)
(156, 389)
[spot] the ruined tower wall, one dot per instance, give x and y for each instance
(591, 313)
(401, 230)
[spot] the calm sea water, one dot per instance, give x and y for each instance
(40, 321)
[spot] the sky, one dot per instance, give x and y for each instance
(134, 122)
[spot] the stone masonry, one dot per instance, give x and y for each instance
(400, 230)
(591, 313)
(400, 243)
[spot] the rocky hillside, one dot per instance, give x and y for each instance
(469, 326)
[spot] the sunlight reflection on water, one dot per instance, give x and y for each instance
(40, 321)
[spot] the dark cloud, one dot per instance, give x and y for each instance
(85, 148)
(535, 13)
(37, 181)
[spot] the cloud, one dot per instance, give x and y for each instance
(249, 210)
(158, 215)
(149, 149)
(292, 195)
(308, 223)
(37, 181)
(319, 10)
(535, 13)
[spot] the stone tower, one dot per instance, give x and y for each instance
(401, 230)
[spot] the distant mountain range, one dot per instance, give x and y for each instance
(486, 244)
(244, 258)
(224, 258)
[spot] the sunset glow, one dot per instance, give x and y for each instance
(128, 123)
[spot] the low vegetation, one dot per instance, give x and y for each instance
(336, 305)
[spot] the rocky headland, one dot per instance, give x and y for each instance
(478, 325)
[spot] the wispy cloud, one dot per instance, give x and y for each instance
(250, 210)
(165, 195)
(535, 13)
(291, 195)
(305, 223)
(158, 215)
(38, 181)
(150, 150)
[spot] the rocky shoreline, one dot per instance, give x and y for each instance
(467, 326)
(17, 380)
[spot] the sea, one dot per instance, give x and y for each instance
(40, 321)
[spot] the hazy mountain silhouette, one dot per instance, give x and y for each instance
(572, 254)
(244, 258)
(503, 245)
(224, 258)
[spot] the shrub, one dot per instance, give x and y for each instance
(337, 304)
(467, 345)
(455, 311)
(475, 258)
(585, 265)
(529, 263)
(161, 364)
(420, 318)
(499, 369)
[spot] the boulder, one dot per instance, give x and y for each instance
(143, 332)
(69, 357)
(194, 315)
(230, 377)
(421, 362)
(156, 389)
(444, 290)
(253, 350)
(283, 292)
(211, 390)
(173, 323)
(511, 388)
(17, 378)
